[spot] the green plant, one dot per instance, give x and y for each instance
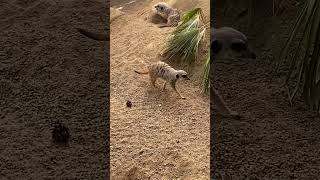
(185, 39)
(309, 21)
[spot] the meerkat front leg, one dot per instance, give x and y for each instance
(173, 85)
(168, 24)
(164, 86)
(153, 80)
(217, 99)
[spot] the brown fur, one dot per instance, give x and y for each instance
(168, 13)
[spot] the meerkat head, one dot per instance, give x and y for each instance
(181, 74)
(227, 38)
(159, 7)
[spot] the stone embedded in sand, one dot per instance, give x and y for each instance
(129, 103)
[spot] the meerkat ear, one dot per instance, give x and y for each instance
(177, 76)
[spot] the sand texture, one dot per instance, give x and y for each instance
(161, 136)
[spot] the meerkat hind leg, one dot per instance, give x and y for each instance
(173, 85)
(168, 24)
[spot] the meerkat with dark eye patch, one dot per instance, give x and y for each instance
(223, 40)
(167, 12)
(164, 71)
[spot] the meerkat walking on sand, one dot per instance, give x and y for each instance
(164, 71)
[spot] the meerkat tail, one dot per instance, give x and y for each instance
(141, 72)
(95, 36)
(163, 26)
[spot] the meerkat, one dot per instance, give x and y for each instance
(222, 40)
(164, 71)
(168, 13)
(162, 9)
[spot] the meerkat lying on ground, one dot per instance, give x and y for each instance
(161, 9)
(222, 40)
(168, 13)
(164, 71)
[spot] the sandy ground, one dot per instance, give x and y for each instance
(273, 140)
(49, 72)
(161, 136)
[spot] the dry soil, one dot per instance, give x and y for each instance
(161, 136)
(273, 140)
(49, 72)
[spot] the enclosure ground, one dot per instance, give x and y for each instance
(49, 72)
(273, 140)
(161, 136)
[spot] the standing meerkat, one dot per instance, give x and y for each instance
(168, 13)
(223, 40)
(164, 71)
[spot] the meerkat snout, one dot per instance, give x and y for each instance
(183, 74)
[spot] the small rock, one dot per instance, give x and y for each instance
(129, 104)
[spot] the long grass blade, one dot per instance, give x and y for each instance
(206, 75)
